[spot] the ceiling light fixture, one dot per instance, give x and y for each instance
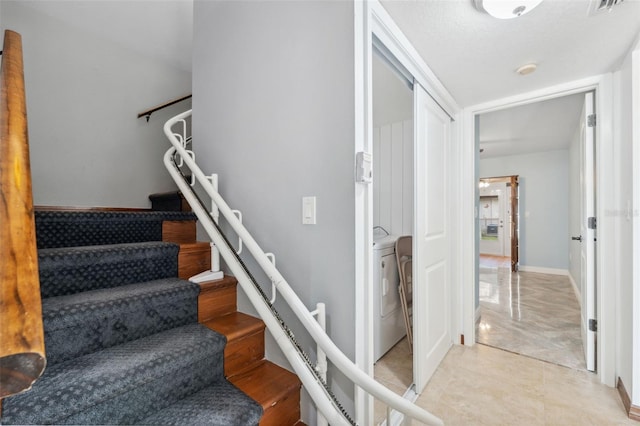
(506, 9)
(527, 69)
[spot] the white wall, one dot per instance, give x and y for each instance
(393, 177)
(273, 86)
(623, 155)
(543, 202)
(83, 95)
(392, 150)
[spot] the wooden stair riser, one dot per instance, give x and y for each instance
(193, 258)
(242, 354)
(285, 412)
(277, 389)
(180, 232)
(245, 340)
(217, 298)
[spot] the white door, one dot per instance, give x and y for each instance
(588, 233)
(431, 286)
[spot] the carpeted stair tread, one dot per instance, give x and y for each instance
(220, 404)
(103, 318)
(69, 270)
(122, 384)
(84, 228)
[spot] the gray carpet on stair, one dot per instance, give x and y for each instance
(220, 404)
(103, 318)
(70, 270)
(87, 228)
(123, 384)
(121, 334)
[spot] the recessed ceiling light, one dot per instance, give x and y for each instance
(506, 9)
(526, 69)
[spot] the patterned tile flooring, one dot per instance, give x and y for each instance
(531, 314)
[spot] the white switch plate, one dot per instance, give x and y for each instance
(308, 210)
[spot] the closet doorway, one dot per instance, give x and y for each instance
(393, 217)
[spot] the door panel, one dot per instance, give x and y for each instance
(588, 243)
(431, 287)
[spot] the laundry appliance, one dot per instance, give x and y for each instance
(388, 323)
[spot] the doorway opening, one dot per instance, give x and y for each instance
(499, 217)
(532, 304)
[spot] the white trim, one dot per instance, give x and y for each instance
(576, 290)
(363, 402)
(605, 263)
(386, 30)
(635, 112)
(543, 270)
(397, 418)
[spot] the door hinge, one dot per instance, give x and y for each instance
(592, 223)
(593, 325)
(591, 120)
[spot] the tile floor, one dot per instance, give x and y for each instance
(532, 314)
(484, 385)
(481, 385)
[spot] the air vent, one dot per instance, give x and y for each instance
(598, 6)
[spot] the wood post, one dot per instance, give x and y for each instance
(22, 352)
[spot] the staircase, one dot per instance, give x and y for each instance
(130, 341)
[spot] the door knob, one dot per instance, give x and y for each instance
(578, 238)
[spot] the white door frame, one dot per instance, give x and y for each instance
(635, 110)
(605, 259)
(371, 21)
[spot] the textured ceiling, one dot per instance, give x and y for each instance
(475, 55)
(541, 126)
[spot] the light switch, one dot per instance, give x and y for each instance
(308, 210)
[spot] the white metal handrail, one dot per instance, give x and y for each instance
(316, 391)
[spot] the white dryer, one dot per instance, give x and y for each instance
(388, 323)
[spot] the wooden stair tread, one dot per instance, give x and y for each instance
(235, 325)
(267, 383)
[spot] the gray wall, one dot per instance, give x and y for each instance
(83, 95)
(544, 205)
(273, 86)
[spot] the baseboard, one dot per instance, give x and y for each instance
(543, 270)
(576, 290)
(633, 411)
